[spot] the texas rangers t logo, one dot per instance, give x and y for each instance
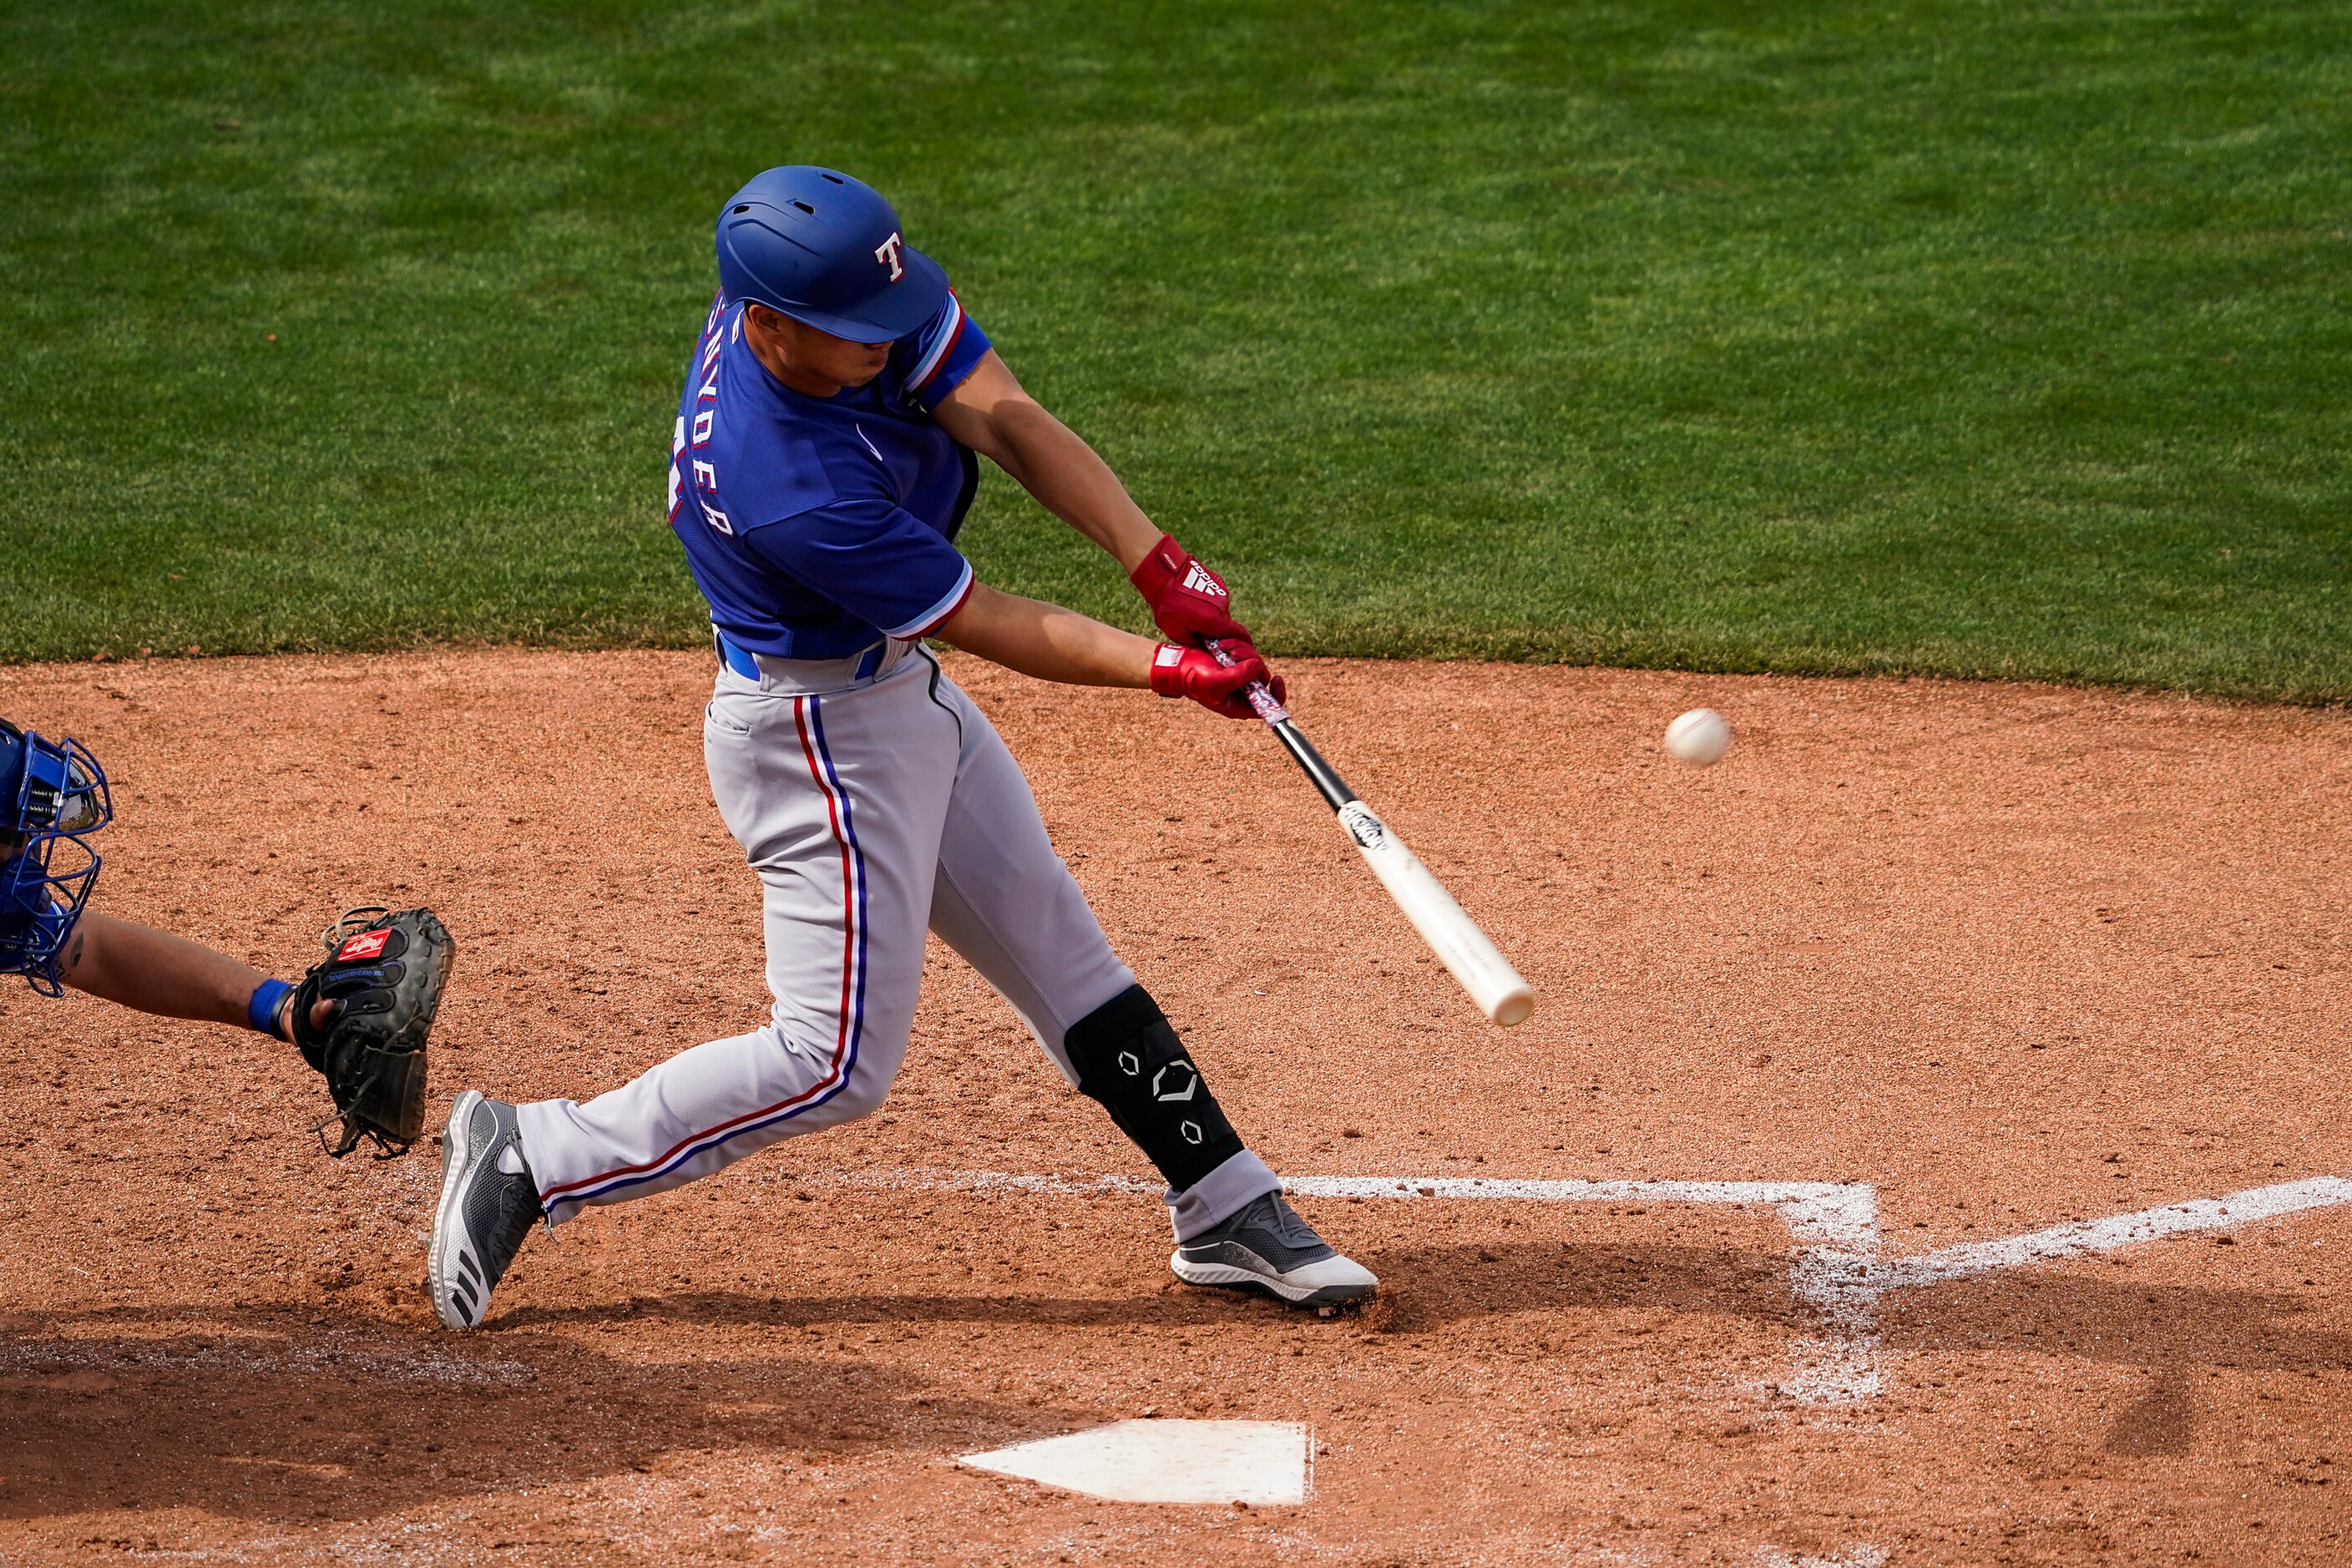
(886, 253)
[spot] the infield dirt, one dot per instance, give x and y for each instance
(2013, 955)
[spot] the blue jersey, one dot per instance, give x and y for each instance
(817, 526)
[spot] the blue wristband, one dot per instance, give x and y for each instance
(261, 1013)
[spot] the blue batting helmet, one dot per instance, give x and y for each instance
(826, 250)
(53, 795)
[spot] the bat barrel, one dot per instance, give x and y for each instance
(1468, 952)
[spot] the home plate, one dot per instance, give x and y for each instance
(1166, 1461)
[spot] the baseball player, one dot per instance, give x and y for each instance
(360, 1017)
(824, 457)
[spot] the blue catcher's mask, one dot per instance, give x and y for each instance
(53, 795)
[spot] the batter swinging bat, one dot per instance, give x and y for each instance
(1452, 934)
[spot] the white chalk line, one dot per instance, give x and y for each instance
(2105, 1235)
(1835, 1222)
(1834, 1214)
(1450, 1187)
(1852, 1557)
(1836, 1272)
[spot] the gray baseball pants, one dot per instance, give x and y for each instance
(871, 808)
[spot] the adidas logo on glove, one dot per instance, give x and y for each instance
(1199, 579)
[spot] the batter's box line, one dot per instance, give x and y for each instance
(1834, 1223)
(1836, 1273)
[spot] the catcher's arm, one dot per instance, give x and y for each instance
(167, 976)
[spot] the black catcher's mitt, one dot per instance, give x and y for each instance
(384, 974)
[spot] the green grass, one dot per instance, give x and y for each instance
(1964, 338)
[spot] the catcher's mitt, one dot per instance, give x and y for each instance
(384, 974)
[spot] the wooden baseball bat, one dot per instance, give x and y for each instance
(1451, 933)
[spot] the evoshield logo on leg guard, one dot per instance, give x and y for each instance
(1175, 1082)
(886, 253)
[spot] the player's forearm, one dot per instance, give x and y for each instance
(1047, 641)
(157, 972)
(1069, 479)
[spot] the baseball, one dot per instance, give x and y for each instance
(1699, 737)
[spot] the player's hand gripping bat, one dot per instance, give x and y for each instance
(1452, 934)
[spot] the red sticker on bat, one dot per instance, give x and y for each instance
(367, 944)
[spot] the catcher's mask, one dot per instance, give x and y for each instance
(53, 797)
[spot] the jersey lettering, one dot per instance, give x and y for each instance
(677, 446)
(702, 428)
(714, 518)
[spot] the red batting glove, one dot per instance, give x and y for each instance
(1189, 603)
(1179, 671)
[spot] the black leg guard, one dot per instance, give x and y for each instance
(1129, 1059)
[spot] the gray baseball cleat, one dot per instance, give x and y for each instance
(485, 1211)
(1266, 1247)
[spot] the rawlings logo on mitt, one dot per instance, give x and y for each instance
(382, 977)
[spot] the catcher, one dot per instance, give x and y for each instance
(360, 1017)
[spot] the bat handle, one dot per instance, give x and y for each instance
(1322, 774)
(1261, 700)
